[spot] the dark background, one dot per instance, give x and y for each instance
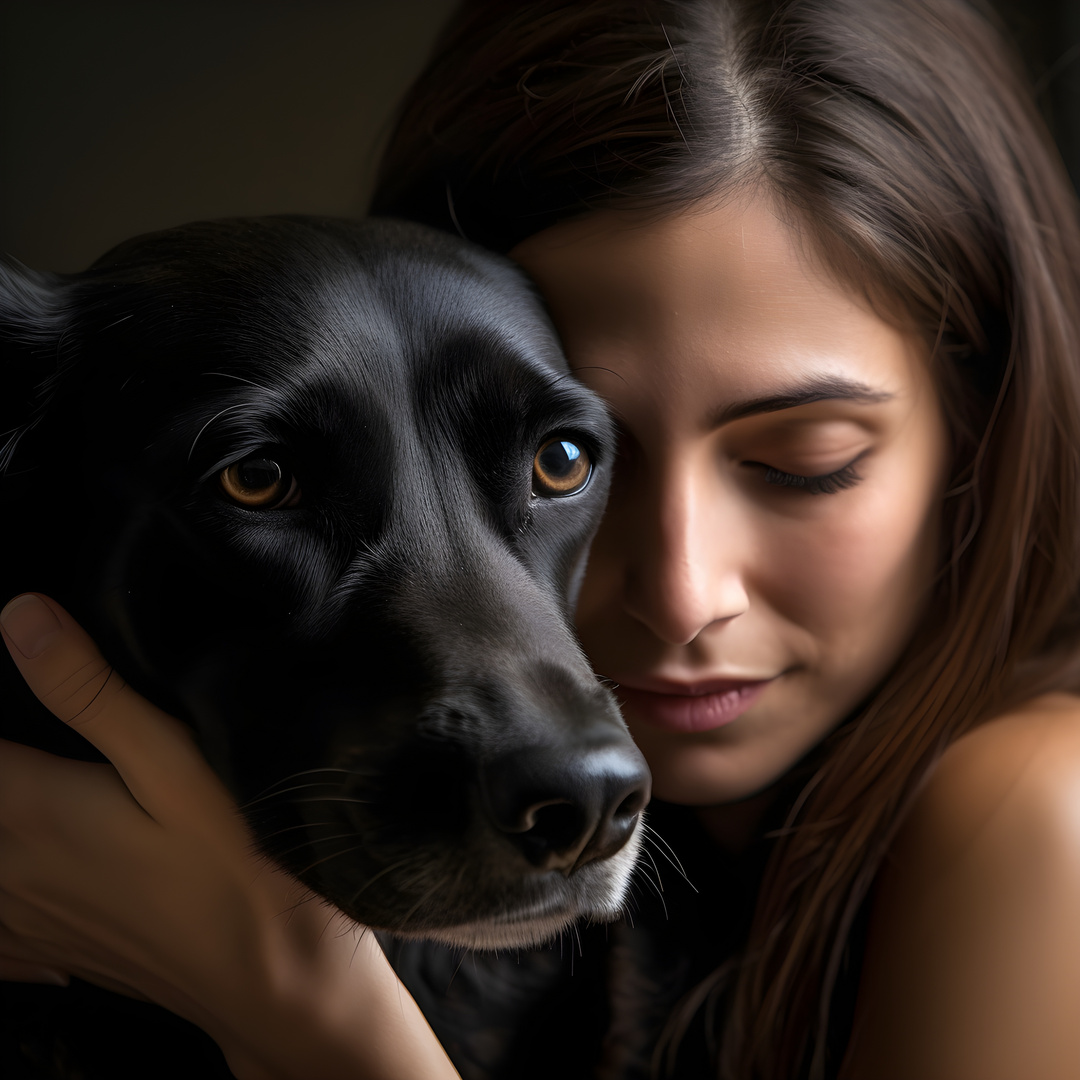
(120, 116)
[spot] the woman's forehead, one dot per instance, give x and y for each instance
(741, 257)
(732, 297)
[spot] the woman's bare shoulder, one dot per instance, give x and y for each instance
(972, 965)
(1021, 769)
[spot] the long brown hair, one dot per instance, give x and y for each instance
(903, 139)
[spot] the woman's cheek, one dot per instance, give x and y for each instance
(856, 575)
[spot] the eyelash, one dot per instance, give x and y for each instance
(828, 484)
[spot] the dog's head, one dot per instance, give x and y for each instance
(325, 490)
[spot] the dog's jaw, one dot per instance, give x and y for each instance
(598, 895)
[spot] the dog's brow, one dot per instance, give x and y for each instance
(216, 416)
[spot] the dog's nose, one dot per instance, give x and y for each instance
(563, 809)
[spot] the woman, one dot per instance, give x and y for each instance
(819, 258)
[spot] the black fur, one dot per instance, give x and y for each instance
(382, 668)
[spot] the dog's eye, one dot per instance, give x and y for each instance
(561, 467)
(259, 483)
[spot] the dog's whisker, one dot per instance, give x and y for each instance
(435, 889)
(457, 968)
(333, 798)
(313, 772)
(330, 921)
(382, 873)
(656, 888)
(322, 841)
(359, 941)
(645, 877)
(309, 896)
(297, 775)
(328, 858)
(303, 825)
(646, 827)
(276, 792)
(664, 849)
(643, 861)
(652, 862)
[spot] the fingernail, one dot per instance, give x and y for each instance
(30, 623)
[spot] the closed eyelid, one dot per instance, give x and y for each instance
(821, 484)
(808, 445)
(851, 460)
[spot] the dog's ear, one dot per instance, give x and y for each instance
(32, 321)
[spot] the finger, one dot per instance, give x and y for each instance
(42, 795)
(67, 674)
(154, 753)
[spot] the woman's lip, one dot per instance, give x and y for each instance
(717, 684)
(690, 707)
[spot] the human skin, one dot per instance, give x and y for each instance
(705, 574)
(711, 569)
(708, 566)
(178, 907)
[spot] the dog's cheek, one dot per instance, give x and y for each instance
(556, 547)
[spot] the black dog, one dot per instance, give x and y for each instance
(324, 490)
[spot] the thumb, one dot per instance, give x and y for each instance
(155, 754)
(58, 660)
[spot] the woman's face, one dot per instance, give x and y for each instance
(773, 525)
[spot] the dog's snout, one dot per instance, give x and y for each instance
(564, 809)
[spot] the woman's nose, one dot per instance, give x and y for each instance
(685, 571)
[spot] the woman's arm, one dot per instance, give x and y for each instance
(143, 878)
(972, 969)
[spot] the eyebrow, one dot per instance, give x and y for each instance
(829, 388)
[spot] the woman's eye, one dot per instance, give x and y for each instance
(560, 467)
(259, 483)
(825, 484)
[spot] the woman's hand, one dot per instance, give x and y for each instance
(143, 878)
